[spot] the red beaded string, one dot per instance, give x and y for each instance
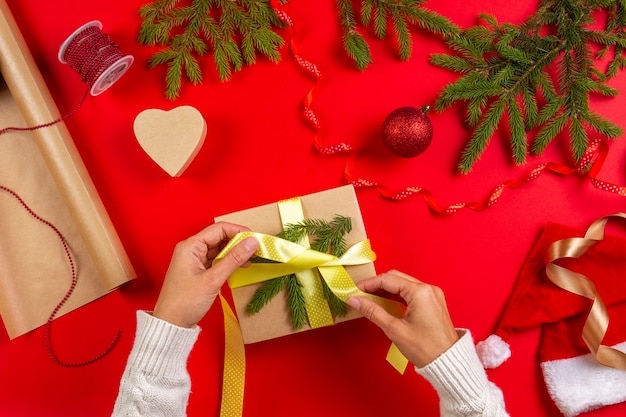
(60, 119)
(91, 53)
(68, 294)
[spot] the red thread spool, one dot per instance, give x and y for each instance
(95, 56)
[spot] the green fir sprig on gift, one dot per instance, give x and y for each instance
(538, 75)
(235, 31)
(324, 236)
(379, 15)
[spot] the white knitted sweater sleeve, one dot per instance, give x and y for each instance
(155, 381)
(461, 382)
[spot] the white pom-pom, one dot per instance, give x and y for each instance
(493, 351)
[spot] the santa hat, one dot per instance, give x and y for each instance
(575, 379)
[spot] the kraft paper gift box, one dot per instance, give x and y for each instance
(274, 319)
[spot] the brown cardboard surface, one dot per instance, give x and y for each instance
(273, 320)
(44, 168)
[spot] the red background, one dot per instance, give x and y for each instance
(259, 150)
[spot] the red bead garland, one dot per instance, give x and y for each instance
(68, 294)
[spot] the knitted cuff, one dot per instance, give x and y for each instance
(161, 349)
(457, 375)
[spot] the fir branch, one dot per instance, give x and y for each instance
(266, 292)
(325, 236)
(518, 132)
(236, 31)
(475, 109)
(378, 15)
(510, 66)
(549, 130)
(296, 303)
(482, 134)
(355, 45)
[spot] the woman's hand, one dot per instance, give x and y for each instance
(191, 284)
(426, 330)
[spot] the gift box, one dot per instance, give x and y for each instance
(274, 318)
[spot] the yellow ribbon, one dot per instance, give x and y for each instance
(234, 378)
(290, 258)
(597, 322)
(316, 306)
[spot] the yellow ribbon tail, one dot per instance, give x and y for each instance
(234, 378)
(397, 359)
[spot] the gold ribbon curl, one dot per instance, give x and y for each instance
(290, 258)
(597, 322)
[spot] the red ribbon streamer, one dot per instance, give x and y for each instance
(314, 71)
(592, 160)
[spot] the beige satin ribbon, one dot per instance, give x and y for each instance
(597, 321)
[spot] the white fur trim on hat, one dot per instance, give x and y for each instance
(493, 351)
(581, 384)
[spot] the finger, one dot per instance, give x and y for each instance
(403, 275)
(237, 257)
(390, 282)
(218, 232)
(373, 312)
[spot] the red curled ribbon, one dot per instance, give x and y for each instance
(590, 165)
(314, 71)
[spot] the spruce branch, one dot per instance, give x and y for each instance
(324, 236)
(296, 303)
(236, 31)
(353, 42)
(506, 67)
(266, 292)
(378, 15)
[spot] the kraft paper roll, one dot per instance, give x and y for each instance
(44, 167)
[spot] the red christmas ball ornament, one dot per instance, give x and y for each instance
(407, 131)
